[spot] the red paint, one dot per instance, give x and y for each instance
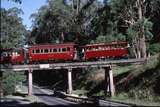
(114, 49)
(63, 52)
(5, 55)
(13, 56)
(17, 56)
(47, 52)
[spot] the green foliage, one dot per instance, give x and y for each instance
(17, 1)
(132, 31)
(109, 38)
(144, 94)
(58, 17)
(154, 48)
(10, 79)
(12, 31)
(50, 21)
(115, 20)
(144, 82)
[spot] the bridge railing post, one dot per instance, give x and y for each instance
(30, 82)
(70, 89)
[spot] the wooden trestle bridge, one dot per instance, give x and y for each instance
(107, 65)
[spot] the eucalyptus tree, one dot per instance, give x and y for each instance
(13, 32)
(132, 16)
(128, 19)
(153, 13)
(50, 21)
(17, 1)
(60, 16)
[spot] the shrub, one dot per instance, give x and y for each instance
(154, 48)
(10, 80)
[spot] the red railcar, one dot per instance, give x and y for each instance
(54, 52)
(18, 56)
(13, 56)
(110, 50)
(64, 52)
(5, 55)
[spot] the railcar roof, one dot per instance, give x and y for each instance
(51, 45)
(104, 44)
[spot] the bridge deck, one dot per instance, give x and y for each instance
(69, 65)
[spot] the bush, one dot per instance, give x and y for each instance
(109, 38)
(10, 80)
(154, 48)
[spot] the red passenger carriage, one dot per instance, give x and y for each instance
(5, 55)
(54, 52)
(18, 56)
(64, 52)
(13, 56)
(110, 50)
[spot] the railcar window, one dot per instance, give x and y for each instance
(50, 50)
(4, 54)
(106, 47)
(54, 50)
(68, 49)
(18, 52)
(45, 50)
(88, 49)
(33, 51)
(41, 50)
(37, 51)
(63, 49)
(112, 46)
(100, 48)
(118, 46)
(59, 49)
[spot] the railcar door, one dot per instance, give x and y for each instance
(26, 56)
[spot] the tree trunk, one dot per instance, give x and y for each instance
(78, 6)
(72, 5)
(142, 44)
(62, 38)
(143, 47)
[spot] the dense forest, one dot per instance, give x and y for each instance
(90, 21)
(85, 22)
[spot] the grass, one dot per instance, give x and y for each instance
(124, 99)
(32, 99)
(117, 70)
(22, 91)
(80, 92)
(140, 87)
(150, 64)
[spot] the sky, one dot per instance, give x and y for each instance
(28, 7)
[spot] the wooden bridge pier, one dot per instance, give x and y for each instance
(108, 78)
(70, 89)
(70, 66)
(30, 71)
(109, 81)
